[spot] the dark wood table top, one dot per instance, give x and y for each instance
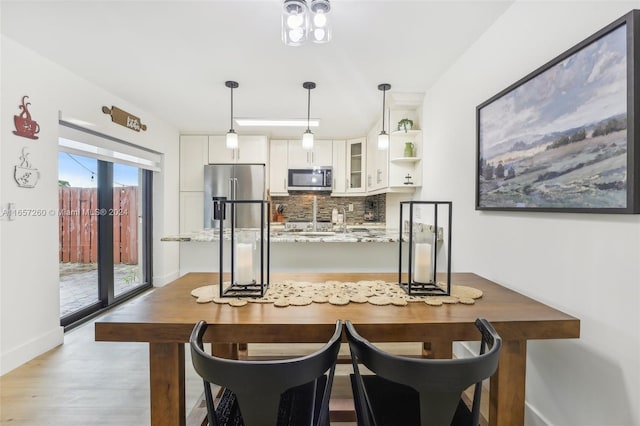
(168, 314)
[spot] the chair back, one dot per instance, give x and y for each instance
(439, 382)
(258, 385)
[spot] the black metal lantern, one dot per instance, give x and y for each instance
(421, 248)
(249, 249)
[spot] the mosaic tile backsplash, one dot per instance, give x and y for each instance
(298, 207)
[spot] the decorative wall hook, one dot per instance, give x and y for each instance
(123, 118)
(25, 125)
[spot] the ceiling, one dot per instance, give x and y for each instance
(171, 58)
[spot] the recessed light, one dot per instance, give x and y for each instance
(293, 122)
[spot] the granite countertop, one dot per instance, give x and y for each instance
(354, 234)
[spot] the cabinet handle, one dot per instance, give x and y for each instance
(346, 182)
(238, 152)
(368, 180)
(285, 183)
(379, 177)
(333, 184)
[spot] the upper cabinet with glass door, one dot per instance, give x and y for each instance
(356, 165)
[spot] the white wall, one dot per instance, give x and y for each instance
(585, 265)
(29, 289)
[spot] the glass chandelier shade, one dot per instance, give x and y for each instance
(232, 136)
(295, 22)
(320, 24)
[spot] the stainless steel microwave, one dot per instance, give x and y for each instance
(313, 179)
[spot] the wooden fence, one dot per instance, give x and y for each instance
(78, 218)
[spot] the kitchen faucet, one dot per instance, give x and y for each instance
(344, 220)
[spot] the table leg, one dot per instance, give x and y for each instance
(437, 349)
(225, 350)
(166, 368)
(506, 396)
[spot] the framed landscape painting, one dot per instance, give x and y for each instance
(563, 138)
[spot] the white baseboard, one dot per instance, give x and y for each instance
(162, 280)
(533, 417)
(26, 352)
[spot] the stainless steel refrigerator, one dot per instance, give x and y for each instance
(234, 182)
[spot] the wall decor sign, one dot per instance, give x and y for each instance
(125, 119)
(25, 175)
(563, 138)
(26, 126)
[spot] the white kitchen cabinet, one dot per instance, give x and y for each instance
(320, 156)
(377, 164)
(392, 170)
(278, 166)
(194, 152)
(191, 211)
(356, 165)
(251, 149)
(339, 164)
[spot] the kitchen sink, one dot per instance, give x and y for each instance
(316, 233)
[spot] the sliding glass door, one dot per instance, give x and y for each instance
(105, 234)
(128, 237)
(78, 233)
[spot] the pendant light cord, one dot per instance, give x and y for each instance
(384, 92)
(231, 107)
(308, 107)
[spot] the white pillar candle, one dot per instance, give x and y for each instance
(422, 263)
(244, 263)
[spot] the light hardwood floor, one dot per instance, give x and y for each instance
(84, 382)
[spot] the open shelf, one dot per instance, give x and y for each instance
(403, 133)
(405, 160)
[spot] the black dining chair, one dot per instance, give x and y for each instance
(407, 391)
(292, 391)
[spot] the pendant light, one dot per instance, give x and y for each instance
(232, 136)
(383, 137)
(307, 137)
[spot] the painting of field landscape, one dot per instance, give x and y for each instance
(559, 140)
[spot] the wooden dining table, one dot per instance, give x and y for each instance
(165, 317)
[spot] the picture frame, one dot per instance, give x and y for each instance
(563, 138)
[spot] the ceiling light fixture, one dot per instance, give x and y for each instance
(302, 21)
(232, 136)
(383, 137)
(286, 122)
(307, 137)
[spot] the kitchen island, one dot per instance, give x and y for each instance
(358, 249)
